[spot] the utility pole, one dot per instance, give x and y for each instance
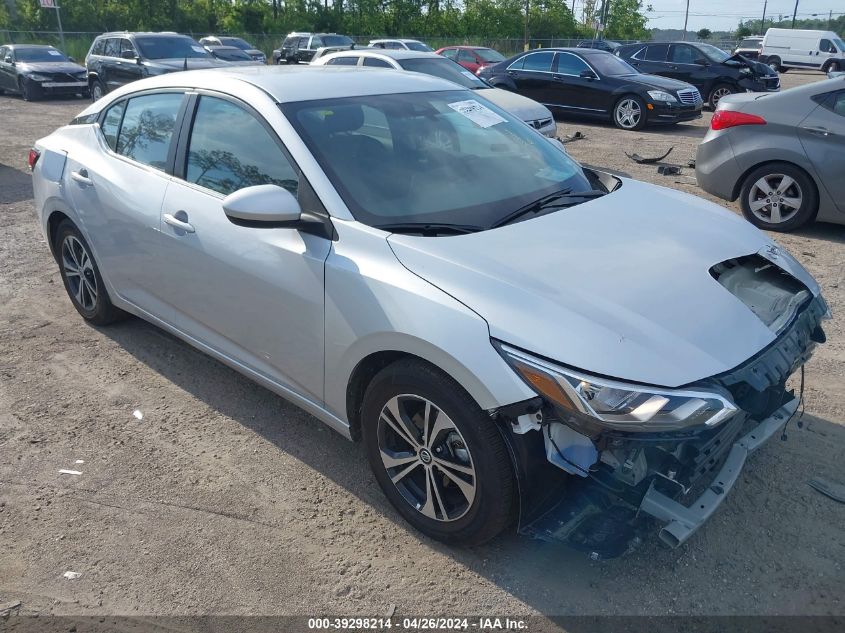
(686, 19)
(794, 13)
(829, 18)
(763, 21)
(527, 8)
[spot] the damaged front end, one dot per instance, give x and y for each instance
(600, 461)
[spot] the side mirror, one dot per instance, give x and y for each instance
(72, 60)
(587, 74)
(128, 55)
(702, 62)
(267, 206)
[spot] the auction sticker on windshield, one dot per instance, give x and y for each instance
(481, 115)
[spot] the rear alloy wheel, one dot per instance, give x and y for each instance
(439, 459)
(629, 113)
(81, 277)
(718, 93)
(778, 197)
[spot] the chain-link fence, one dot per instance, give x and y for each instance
(77, 43)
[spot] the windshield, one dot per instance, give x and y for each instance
(489, 55)
(156, 47)
(431, 157)
(237, 43)
(336, 40)
(419, 47)
(39, 55)
(611, 65)
(840, 45)
(445, 69)
(232, 55)
(714, 54)
(750, 44)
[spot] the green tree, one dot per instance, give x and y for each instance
(704, 34)
(626, 20)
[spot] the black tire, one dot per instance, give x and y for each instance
(774, 64)
(717, 92)
(29, 90)
(494, 504)
(772, 173)
(833, 67)
(102, 312)
(623, 103)
(98, 90)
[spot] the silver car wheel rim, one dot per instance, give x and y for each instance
(718, 94)
(628, 113)
(79, 272)
(426, 458)
(97, 92)
(775, 198)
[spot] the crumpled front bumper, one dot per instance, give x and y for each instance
(683, 521)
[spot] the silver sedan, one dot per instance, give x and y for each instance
(420, 270)
(782, 155)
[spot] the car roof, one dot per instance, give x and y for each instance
(395, 39)
(286, 84)
(28, 46)
(391, 53)
(471, 48)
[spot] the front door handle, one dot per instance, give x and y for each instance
(178, 223)
(818, 131)
(82, 178)
(557, 77)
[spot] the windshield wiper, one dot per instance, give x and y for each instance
(429, 228)
(558, 200)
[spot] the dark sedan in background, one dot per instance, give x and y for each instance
(240, 43)
(34, 70)
(782, 155)
(602, 45)
(714, 72)
(592, 82)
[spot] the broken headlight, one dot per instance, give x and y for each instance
(620, 405)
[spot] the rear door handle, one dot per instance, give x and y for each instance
(82, 178)
(557, 77)
(818, 131)
(175, 222)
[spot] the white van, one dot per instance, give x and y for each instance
(796, 48)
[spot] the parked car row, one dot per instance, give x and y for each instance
(417, 268)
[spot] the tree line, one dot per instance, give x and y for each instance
(465, 19)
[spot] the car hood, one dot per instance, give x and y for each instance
(758, 68)
(617, 286)
(49, 67)
(655, 81)
(522, 107)
(253, 51)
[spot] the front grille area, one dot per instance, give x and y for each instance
(690, 96)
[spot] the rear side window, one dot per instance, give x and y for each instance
(147, 129)
(539, 62)
(342, 61)
(111, 123)
(376, 63)
(98, 47)
(656, 52)
(230, 149)
(450, 53)
(112, 48)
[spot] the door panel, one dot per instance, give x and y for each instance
(532, 75)
(569, 90)
(254, 294)
(823, 137)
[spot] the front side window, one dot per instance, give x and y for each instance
(442, 157)
(347, 60)
(466, 56)
(111, 123)
(538, 62)
(172, 47)
(450, 53)
(230, 149)
(568, 64)
(681, 54)
(147, 129)
(126, 47)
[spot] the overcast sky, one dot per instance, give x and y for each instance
(720, 15)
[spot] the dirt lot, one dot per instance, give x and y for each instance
(226, 499)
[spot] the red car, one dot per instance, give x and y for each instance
(473, 58)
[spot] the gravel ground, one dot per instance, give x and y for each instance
(225, 499)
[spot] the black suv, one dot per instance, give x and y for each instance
(299, 48)
(116, 59)
(714, 72)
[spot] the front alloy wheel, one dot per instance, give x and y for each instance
(629, 114)
(426, 457)
(439, 459)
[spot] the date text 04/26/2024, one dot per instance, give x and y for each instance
(419, 624)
